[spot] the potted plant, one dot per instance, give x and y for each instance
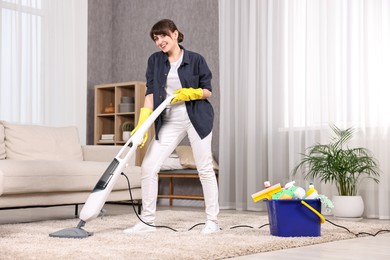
(346, 167)
(127, 127)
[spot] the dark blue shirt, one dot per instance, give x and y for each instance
(193, 73)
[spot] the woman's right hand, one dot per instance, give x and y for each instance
(143, 115)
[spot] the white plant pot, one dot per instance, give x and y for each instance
(348, 206)
(125, 135)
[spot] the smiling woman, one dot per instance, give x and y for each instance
(177, 71)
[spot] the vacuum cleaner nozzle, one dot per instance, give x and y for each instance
(71, 233)
(76, 232)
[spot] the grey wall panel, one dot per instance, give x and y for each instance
(99, 53)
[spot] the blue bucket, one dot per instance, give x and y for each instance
(290, 218)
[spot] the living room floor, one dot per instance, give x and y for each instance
(359, 248)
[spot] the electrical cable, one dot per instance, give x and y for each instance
(150, 225)
(239, 226)
(263, 225)
(135, 211)
(195, 226)
(247, 226)
(360, 233)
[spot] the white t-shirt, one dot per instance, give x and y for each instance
(173, 81)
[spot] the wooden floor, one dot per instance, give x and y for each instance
(366, 248)
(361, 248)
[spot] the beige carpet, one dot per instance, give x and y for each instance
(32, 241)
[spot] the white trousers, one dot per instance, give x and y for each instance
(176, 126)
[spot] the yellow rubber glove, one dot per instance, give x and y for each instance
(143, 115)
(187, 94)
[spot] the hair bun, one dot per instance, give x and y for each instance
(180, 38)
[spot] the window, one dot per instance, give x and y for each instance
(21, 60)
(336, 63)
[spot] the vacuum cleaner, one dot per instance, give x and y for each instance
(96, 200)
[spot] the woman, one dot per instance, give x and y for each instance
(174, 70)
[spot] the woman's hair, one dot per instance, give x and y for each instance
(165, 27)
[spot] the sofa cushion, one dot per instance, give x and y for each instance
(187, 158)
(23, 177)
(33, 142)
(2, 143)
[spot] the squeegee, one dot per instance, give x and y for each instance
(103, 188)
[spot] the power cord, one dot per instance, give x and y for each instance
(360, 233)
(356, 234)
(238, 226)
(150, 225)
(135, 211)
(194, 226)
(247, 226)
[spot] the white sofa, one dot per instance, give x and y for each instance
(46, 166)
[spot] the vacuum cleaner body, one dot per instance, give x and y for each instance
(104, 186)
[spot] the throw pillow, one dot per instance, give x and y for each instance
(172, 163)
(33, 142)
(187, 158)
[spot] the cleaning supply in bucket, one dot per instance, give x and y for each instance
(290, 213)
(266, 193)
(311, 193)
(290, 191)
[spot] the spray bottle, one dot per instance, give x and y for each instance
(311, 193)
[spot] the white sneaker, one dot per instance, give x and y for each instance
(210, 227)
(140, 227)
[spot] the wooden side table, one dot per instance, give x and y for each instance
(180, 174)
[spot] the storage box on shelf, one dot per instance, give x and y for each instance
(116, 103)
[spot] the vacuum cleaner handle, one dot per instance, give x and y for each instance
(103, 188)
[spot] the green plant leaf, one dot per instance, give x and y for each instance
(336, 163)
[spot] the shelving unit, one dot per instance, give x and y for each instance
(108, 116)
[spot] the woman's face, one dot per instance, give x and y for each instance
(166, 43)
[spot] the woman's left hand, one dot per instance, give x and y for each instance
(187, 94)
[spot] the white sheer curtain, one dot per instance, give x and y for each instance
(288, 69)
(44, 62)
